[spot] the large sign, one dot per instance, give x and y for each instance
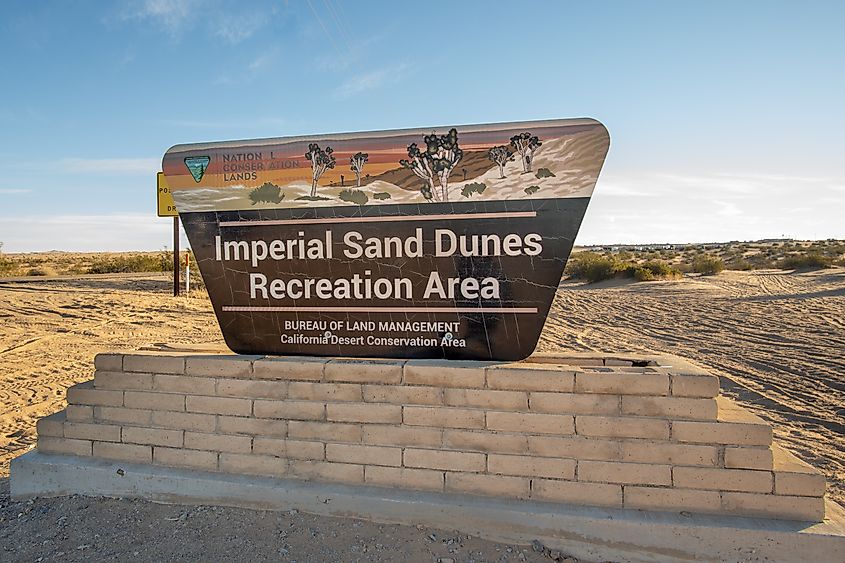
(446, 242)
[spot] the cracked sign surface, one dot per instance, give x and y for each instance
(443, 242)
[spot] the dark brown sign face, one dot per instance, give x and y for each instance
(443, 243)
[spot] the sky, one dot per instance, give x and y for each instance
(726, 118)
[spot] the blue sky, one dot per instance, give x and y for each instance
(726, 118)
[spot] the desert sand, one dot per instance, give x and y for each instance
(775, 339)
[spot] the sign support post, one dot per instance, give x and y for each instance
(167, 208)
(176, 264)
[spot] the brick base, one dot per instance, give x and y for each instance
(640, 432)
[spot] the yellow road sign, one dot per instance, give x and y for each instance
(166, 207)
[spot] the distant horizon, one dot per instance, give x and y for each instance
(184, 247)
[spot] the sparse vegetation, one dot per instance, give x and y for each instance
(531, 190)
(354, 196)
(126, 263)
(381, 195)
(713, 258)
(808, 261)
(594, 267)
(544, 173)
(473, 188)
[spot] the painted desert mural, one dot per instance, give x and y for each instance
(536, 160)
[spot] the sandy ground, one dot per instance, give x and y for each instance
(775, 339)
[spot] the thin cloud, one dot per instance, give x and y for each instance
(234, 29)
(171, 15)
(229, 21)
(370, 81)
(13, 191)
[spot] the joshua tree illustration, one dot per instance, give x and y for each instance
(525, 144)
(437, 162)
(500, 155)
(356, 163)
(321, 160)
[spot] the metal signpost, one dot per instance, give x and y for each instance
(450, 242)
(167, 208)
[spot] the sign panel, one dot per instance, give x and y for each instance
(447, 242)
(166, 205)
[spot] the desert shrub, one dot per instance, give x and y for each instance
(544, 173)
(808, 261)
(381, 195)
(354, 196)
(159, 262)
(739, 264)
(41, 271)
(531, 190)
(658, 269)
(642, 274)
(593, 267)
(473, 188)
(268, 193)
(6, 265)
(707, 265)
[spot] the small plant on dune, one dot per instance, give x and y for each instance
(473, 188)
(381, 195)
(531, 190)
(268, 193)
(354, 196)
(707, 265)
(544, 173)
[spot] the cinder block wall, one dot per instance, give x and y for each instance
(626, 432)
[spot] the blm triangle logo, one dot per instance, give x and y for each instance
(197, 166)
